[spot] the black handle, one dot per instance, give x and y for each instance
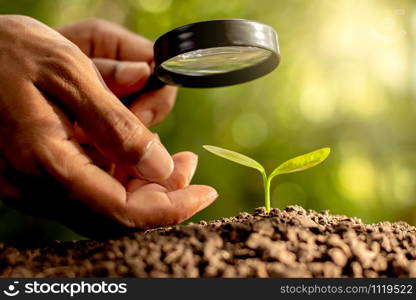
(153, 83)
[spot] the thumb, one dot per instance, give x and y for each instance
(123, 77)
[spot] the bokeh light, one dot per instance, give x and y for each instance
(155, 6)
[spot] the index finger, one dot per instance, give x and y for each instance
(71, 78)
(99, 38)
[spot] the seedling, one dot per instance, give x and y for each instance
(296, 164)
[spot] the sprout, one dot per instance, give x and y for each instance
(296, 164)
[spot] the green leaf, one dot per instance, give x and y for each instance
(302, 162)
(235, 157)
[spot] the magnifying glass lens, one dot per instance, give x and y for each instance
(216, 53)
(212, 53)
(216, 60)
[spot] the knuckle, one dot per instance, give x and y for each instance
(166, 105)
(95, 26)
(70, 49)
(162, 110)
(64, 61)
(24, 18)
(128, 135)
(66, 66)
(18, 22)
(94, 23)
(67, 56)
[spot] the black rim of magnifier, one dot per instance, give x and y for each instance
(216, 33)
(209, 34)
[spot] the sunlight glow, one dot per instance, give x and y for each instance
(155, 6)
(372, 39)
(358, 178)
(316, 103)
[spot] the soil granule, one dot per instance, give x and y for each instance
(285, 243)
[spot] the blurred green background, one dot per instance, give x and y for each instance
(347, 80)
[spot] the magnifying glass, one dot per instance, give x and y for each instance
(213, 54)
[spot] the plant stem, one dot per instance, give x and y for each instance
(266, 183)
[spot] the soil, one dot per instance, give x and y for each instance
(285, 243)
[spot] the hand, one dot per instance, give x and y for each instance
(152, 204)
(47, 84)
(125, 62)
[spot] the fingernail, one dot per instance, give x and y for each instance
(128, 73)
(212, 195)
(146, 117)
(156, 163)
(157, 136)
(193, 169)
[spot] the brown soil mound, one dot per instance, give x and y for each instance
(288, 243)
